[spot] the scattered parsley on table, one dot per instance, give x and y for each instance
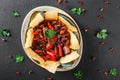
(77, 10)
(113, 72)
(5, 32)
(78, 75)
(15, 13)
(19, 58)
(102, 34)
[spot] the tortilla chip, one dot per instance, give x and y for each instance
(68, 25)
(74, 44)
(51, 66)
(37, 19)
(70, 57)
(35, 56)
(51, 15)
(29, 38)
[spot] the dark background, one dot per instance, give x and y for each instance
(105, 59)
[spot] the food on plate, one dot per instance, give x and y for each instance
(68, 25)
(50, 40)
(38, 18)
(74, 44)
(70, 57)
(51, 15)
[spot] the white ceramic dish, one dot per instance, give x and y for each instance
(48, 8)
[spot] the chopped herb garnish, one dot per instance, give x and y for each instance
(102, 34)
(49, 33)
(19, 58)
(78, 75)
(74, 10)
(113, 72)
(5, 33)
(15, 13)
(77, 10)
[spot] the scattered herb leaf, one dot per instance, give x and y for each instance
(5, 33)
(74, 10)
(77, 10)
(78, 75)
(15, 13)
(113, 72)
(19, 58)
(102, 34)
(49, 33)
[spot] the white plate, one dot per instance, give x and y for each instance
(48, 8)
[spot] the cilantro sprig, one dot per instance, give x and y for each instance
(102, 34)
(5, 32)
(77, 10)
(78, 75)
(49, 33)
(19, 58)
(15, 13)
(113, 72)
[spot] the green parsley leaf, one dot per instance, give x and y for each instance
(104, 30)
(49, 33)
(78, 75)
(19, 58)
(15, 13)
(5, 33)
(113, 72)
(77, 10)
(44, 32)
(102, 34)
(74, 10)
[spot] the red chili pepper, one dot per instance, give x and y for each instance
(46, 57)
(35, 38)
(55, 50)
(48, 46)
(36, 32)
(38, 51)
(60, 50)
(52, 57)
(50, 26)
(54, 38)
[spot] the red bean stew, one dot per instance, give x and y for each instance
(51, 40)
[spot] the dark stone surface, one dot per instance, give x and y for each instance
(104, 58)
